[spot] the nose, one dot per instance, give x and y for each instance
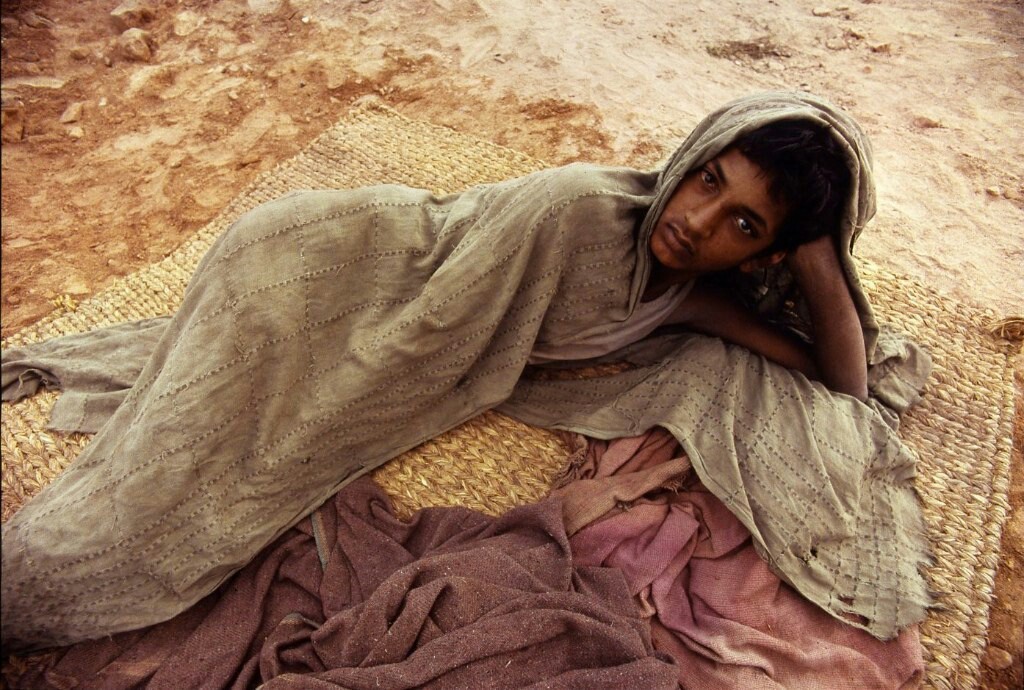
(700, 219)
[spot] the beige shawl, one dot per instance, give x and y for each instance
(327, 332)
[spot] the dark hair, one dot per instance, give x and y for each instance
(808, 173)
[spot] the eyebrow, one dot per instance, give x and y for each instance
(724, 181)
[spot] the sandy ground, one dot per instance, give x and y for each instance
(125, 130)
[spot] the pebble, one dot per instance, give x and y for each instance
(922, 122)
(997, 192)
(36, 21)
(248, 159)
(73, 113)
(264, 6)
(997, 659)
(76, 132)
(135, 44)
(821, 11)
(79, 53)
(131, 14)
(187, 22)
(12, 120)
(37, 81)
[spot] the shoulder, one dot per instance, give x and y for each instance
(586, 180)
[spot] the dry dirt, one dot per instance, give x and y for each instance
(118, 146)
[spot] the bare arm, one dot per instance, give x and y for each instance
(839, 350)
(709, 311)
(838, 357)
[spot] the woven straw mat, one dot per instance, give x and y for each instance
(961, 431)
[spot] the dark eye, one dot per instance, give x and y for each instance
(708, 177)
(745, 226)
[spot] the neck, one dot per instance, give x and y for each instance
(661, 279)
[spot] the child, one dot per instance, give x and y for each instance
(329, 331)
(775, 193)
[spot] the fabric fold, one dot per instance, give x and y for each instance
(715, 606)
(448, 598)
(327, 332)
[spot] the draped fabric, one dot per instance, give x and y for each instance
(326, 332)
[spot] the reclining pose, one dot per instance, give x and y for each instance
(329, 331)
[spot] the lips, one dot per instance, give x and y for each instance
(683, 244)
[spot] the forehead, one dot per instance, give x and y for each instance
(746, 184)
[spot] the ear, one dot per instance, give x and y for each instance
(763, 261)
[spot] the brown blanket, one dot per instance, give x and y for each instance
(355, 598)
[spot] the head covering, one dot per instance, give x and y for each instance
(771, 291)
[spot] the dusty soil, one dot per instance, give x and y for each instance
(120, 143)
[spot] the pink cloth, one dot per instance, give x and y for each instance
(715, 605)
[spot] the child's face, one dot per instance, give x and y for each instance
(721, 216)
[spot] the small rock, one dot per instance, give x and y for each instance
(102, 102)
(821, 11)
(19, 243)
(996, 192)
(131, 14)
(1013, 195)
(922, 122)
(76, 132)
(79, 53)
(73, 113)
(36, 21)
(136, 44)
(187, 22)
(12, 120)
(247, 160)
(836, 44)
(264, 6)
(997, 659)
(35, 82)
(883, 48)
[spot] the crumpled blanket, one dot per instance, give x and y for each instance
(715, 606)
(327, 332)
(353, 597)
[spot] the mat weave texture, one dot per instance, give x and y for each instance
(961, 431)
